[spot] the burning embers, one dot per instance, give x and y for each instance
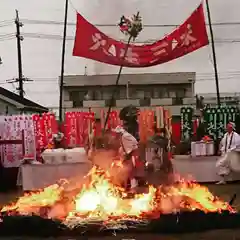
(98, 199)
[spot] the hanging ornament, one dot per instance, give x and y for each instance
(131, 26)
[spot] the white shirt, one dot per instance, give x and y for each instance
(230, 145)
(129, 143)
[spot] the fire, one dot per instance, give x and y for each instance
(101, 199)
(47, 197)
(98, 198)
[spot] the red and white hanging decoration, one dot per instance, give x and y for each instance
(11, 129)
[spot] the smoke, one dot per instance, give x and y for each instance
(105, 160)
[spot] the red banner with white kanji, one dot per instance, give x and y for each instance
(78, 128)
(113, 119)
(93, 44)
(45, 127)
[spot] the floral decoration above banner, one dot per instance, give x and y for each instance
(91, 43)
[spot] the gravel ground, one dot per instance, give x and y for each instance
(224, 192)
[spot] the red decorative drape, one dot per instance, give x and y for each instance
(44, 127)
(176, 132)
(93, 44)
(78, 127)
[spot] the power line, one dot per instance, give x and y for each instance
(6, 35)
(149, 41)
(200, 77)
(6, 39)
(69, 38)
(114, 25)
(203, 75)
(198, 80)
(210, 77)
(6, 23)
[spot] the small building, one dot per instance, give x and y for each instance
(11, 103)
(171, 90)
(227, 98)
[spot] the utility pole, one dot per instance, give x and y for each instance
(19, 53)
(63, 63)
(214, 54)
(21, 79)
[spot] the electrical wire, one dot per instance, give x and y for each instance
(202, 77)
(6, 23)
(71, 38)
(9, 36)
(59, 37)
(6, 35)
(6, 39)
(48, 22)
(201, 74)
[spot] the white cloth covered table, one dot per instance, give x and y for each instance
(201, 169)
(35, 177)
(60, 155)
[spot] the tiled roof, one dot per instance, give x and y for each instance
(28, 104)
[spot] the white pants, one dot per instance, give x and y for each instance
(223, 165)
(227, 163)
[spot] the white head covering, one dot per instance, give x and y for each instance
(119, 129)
(129, 142)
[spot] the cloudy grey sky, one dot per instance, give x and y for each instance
(42, 31)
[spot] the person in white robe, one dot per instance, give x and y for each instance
(229, 143)
(129, 152)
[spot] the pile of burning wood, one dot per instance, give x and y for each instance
(95, 205)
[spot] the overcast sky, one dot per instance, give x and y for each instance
(41, 48)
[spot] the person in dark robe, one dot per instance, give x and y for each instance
(58, 139)
(201, 128)
(129, 116)
(161, 151)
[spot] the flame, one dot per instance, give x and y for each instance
(102, 199)
(47, 197)
(99, 198)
